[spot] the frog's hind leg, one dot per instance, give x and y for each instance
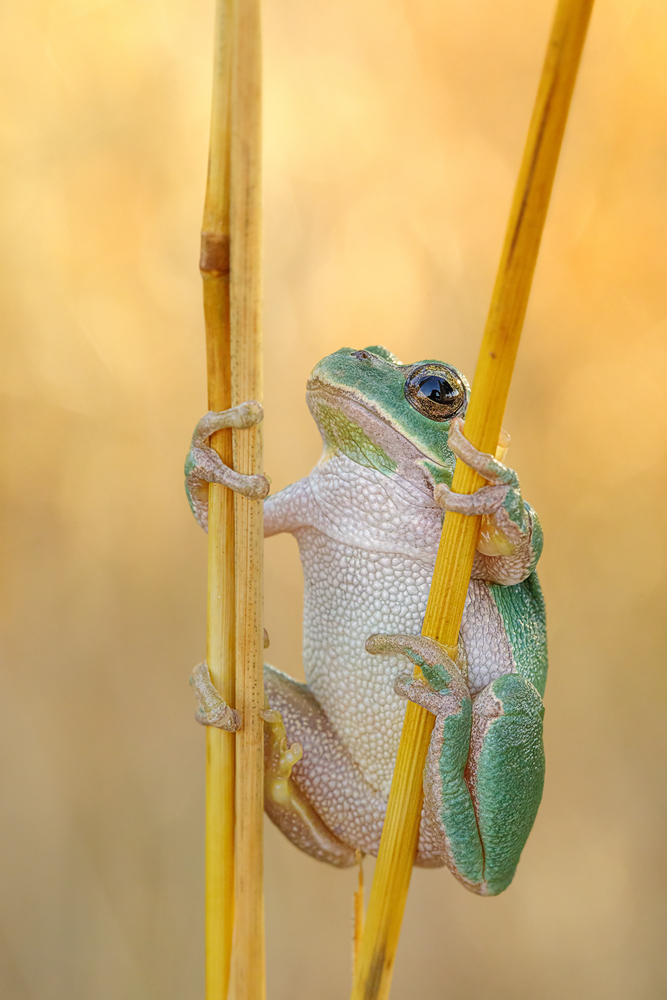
(449, 825)
(285, 803)
(313, 790)
(505, 773)
(485, 764)
(326, 807)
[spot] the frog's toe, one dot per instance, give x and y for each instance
(441, 702)
(204, 466)
(415, 647)
(213, 710)
(481, 462)
(237, 417)
(486, 500)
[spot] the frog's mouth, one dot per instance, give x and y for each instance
(356, 426)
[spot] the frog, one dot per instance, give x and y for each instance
(367, 520)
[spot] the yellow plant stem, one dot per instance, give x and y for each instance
(358, 912)
(220, 637)
(460, 533)
(220, 766)
(248, 972)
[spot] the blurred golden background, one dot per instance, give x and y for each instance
(393, 137)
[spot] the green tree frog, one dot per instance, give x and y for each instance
(367, 520)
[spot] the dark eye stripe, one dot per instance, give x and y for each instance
(435, 390)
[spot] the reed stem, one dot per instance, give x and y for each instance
(358, 912)
(459, 535)
(248, 972)
(220, 634)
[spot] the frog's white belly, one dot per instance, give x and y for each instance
(350, 593)
(368, 555)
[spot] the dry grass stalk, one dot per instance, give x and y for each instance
(248, 974)
(220, 638)
(459, 536)
(358, 913)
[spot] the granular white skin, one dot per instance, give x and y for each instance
(368, 544)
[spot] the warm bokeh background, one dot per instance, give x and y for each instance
(393, 134)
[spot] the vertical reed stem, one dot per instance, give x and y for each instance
(248, 973)
(459, 536)
(358, 912)
(220, 634)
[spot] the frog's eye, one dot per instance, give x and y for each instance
(435, 390)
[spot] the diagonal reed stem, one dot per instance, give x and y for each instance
(220, 634)
(458, 542)
(248, 972)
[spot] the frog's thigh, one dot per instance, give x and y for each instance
(331, 810)
(505, 773)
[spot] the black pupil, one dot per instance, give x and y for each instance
(436, 389)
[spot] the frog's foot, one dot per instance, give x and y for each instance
(443, 686)
(508, 546)
(203, 465)
(286, 804)
(279, 757)
(487, 500)
(212, 711)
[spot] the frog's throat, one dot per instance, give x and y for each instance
(353, 425)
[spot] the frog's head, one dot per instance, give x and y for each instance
(387, 416)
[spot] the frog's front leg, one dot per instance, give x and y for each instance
(485, 765)
(203, 465)
(510, 541)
